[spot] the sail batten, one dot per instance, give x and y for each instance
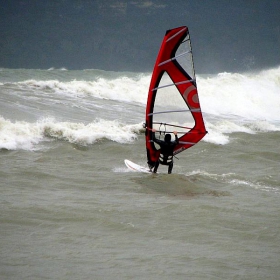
(170, 38)
(173, 58)
(175, 102)
(174, 84)
(173, 111)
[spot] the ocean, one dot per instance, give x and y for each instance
(70, 209)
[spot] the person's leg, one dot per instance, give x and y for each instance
(170, 166)
(156, 167)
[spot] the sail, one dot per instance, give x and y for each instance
(173, 102)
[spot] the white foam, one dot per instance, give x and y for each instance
(252, 94)
(231, 102)
(82, 134)
(262, 126)
(25, 135)
(249, 96)
(219, 131)
(257, 185)
(19, 135)
(60, 69)
(126, 89)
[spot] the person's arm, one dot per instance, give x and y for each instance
(154, 136)
(176, 137)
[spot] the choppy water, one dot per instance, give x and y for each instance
(70, 209)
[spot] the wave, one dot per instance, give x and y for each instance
(219, 131)
(231, 102)
(249, 96)
(22, 135)
(133, 90)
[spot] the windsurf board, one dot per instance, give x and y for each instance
(135, 167)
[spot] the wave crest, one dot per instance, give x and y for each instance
(25, 135)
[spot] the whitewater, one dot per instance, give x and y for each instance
(70, 209)
(80, 111)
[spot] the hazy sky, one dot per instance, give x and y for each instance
(119, 35)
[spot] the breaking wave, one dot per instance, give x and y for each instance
(231, 102)
(25, 135)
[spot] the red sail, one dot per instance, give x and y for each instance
(169, 62)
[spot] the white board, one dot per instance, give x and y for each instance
(135, 167)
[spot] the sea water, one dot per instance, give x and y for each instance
(70, 209)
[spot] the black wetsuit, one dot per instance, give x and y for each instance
(166, 153)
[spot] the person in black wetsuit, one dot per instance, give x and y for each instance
(166, 150)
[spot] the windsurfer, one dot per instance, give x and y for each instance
(166, 150)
